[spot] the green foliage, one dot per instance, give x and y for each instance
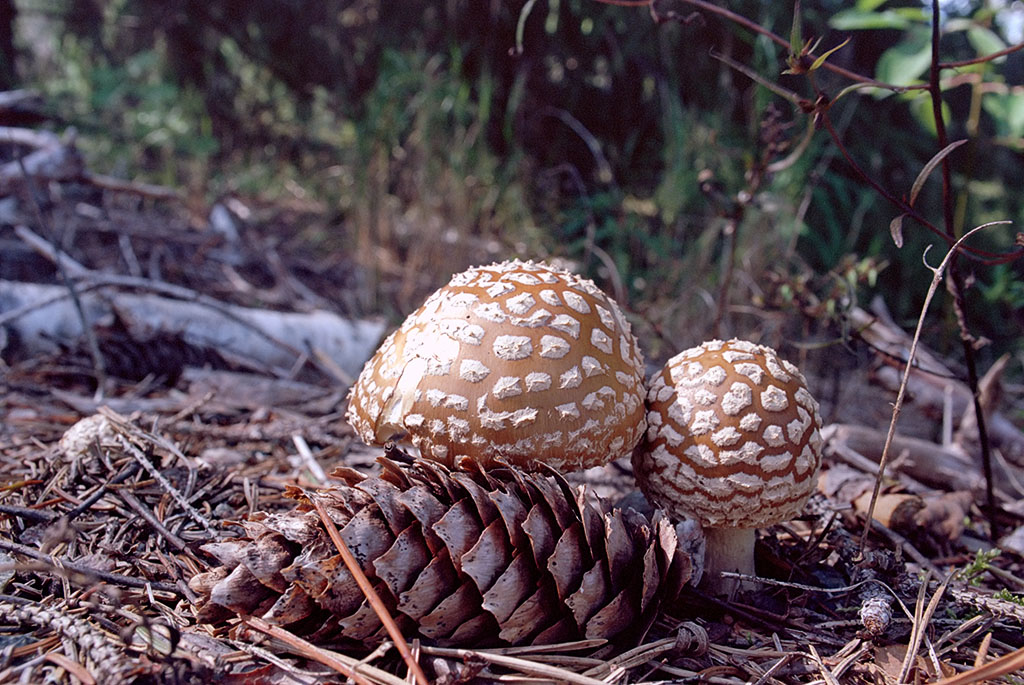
(978, 567)
(1007, 596)
(575, 129)
(131, 108)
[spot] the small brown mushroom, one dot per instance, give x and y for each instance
(733, 440)
(515, 361)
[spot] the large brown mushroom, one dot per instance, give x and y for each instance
(515, 361)
(733, 440)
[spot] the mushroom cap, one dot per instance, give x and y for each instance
(515, 361)
(733, 437)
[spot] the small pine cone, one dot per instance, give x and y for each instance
(875, 610)
(465, 557)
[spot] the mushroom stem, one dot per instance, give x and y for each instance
(728, 549)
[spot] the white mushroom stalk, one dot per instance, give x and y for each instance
(515, 361)
(734, 441)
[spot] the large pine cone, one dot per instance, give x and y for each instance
(465, 557)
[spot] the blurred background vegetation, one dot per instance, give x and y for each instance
(419, 137)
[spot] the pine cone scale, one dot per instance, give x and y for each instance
(585, 602)
(367, 537)
(266, 558)
(294, 605)
(454, 610)
(486, 560)
(564, 562)
(435, 582)
(427, 510)
(537, 528)
(611, 618)
(510, 589)
(528, 616)
(459, 529)
(385, 496)
(398, 566)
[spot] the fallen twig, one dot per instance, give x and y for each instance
(371, 595)
(57, 564)
(344, 665)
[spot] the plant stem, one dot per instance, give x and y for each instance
(728, 549)
(955, 282)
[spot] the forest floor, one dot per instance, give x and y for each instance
(101, 528)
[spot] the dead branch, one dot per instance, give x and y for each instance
(924, 461)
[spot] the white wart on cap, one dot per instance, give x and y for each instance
(733, 440)
(515, 361)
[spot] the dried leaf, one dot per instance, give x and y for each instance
(929, 168)
(896, 230)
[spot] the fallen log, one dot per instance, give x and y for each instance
(922, 460)
(40, 319)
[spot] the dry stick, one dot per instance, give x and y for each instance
(64, 265)
(27, 513)
(1004, 665)
(28, 308)
(118, 185)
(556, 674)
(144, 511)
(371, 595)
(984, 58)
(125, 437)
(307, 649)
(112, 578)
(126, 473)
(190, 510)
(955, 284)
(921, 620)
(901, 393)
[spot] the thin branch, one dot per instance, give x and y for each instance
(307, 649)
(157, 525)
(751, 25)
(128, 436)
(58, 565)
(981, 256)
(901, 393)
(955, 283)
(545, 671)
(984, 58)
(898, 202)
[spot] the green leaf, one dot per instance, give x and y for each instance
(868, 5)
(1007, 111)
(1015, 114)
(857, 20)
(821, 60)
(905, 63)
(984, 41)
(921, 108)
(796, 39)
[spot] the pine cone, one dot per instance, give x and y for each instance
(463, 557)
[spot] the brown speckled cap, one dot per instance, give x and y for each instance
(516, 361)
(733, 436)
